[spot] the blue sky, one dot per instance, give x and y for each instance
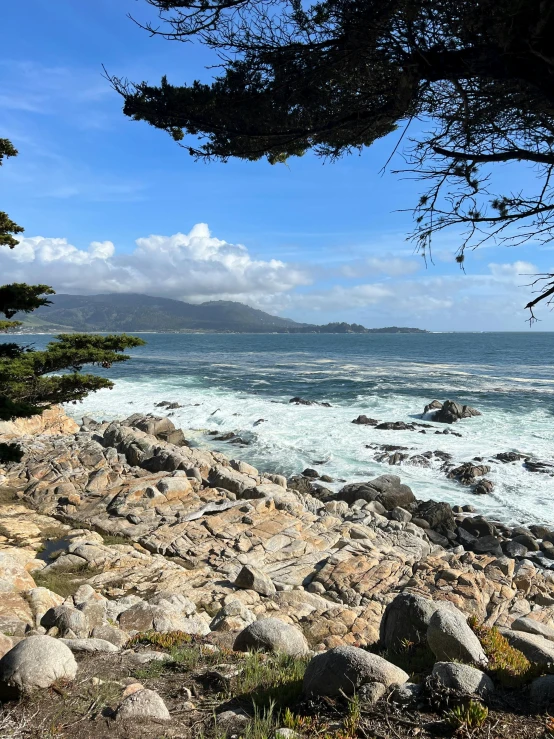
(113, 205)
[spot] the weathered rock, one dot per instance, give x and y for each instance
(365, 421)
(541, 692)
(66, 618)
(36, 662)
(251, 578)
(531, 626)
(386, 489)
(464, 678)
(406, 619)
(115, 636)
(143, 704)
(231, 723)
(536, 648)
(90, 645)
(346, 670)
(450, 412)
(450, 638)
(272, 635)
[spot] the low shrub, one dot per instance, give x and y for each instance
(506, 663)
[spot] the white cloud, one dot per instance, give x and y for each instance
(194, 266)
(512, 272)
(389, 265)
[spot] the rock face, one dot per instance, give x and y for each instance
(192, 520)
(272, 635)
(449, 411)
(464, 678)
(51, 421)
(450, 638)
(36, 662)
(346, 670)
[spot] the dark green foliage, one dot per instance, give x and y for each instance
(10, 453)
(7, 226)
(334, 76)
(28, 385)
(21, 298)
(29, 379)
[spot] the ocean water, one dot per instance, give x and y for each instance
(228, 382)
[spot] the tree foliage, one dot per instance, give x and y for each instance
(31, 380)
(7, 227)
(473, 81)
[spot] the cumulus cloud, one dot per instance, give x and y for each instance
(195, 266)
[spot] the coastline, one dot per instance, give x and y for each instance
(153, 537)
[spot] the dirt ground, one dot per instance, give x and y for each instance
(85, 709)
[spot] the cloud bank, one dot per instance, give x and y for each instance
(193, 267)
(197, 266)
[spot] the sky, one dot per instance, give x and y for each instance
(112, 205)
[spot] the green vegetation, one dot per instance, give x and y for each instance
(469, 716)
(65, 581)
(506, 664)
(472, 82)
(109, 539)
(30, 380)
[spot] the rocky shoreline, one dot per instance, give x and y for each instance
(160, 537)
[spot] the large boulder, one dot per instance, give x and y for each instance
(346, 670)
(450, 638)
(406, 619)
(272, 635)
(464, 678)
(386, 489)
(36, 662)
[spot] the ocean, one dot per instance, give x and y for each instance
(228, 382)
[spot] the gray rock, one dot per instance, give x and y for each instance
(406, 618)
(251, 578)
(407, 694)
(399, 514)
(90, 645)
(450, 638)
(530, 626)
(67, 619)
(36, 662)
(465, 678)
(372, 692)
(144, 704)
(535, 648)
(272, 635)
(145, 658)
(231, 723)
(541, 692)
(346, 669)
(111, 634)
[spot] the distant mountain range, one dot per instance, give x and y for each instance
(133, 312)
